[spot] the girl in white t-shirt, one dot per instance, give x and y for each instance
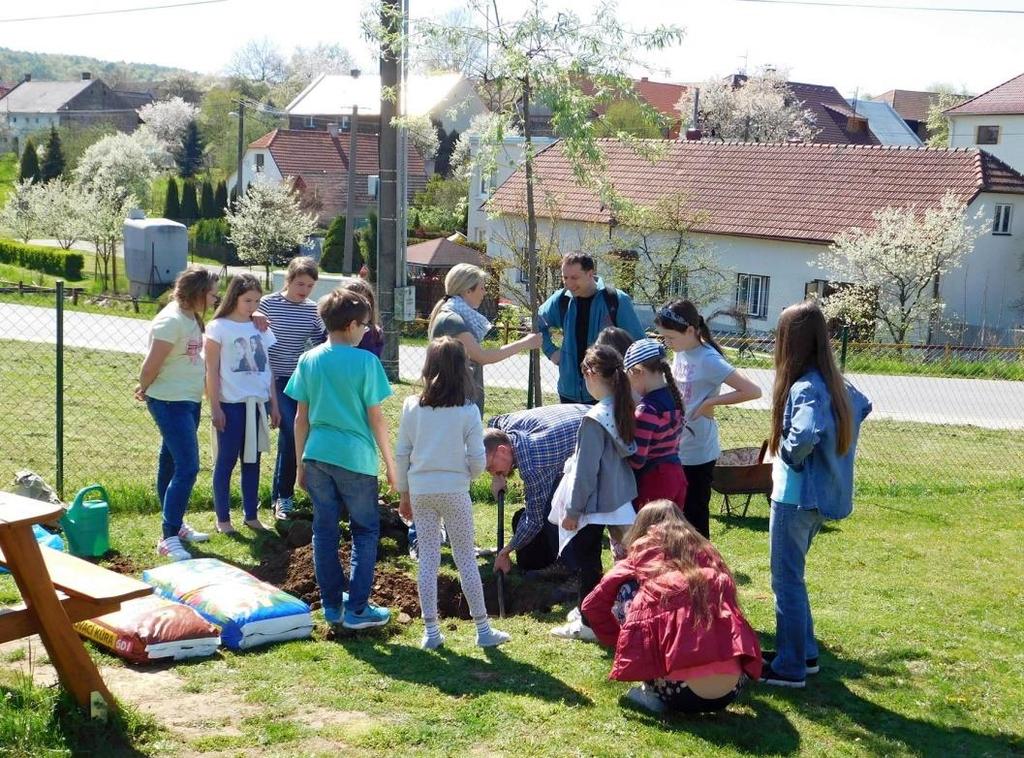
(700, 369)
(238, 384)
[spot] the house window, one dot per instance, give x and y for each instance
(523, 277)
(678, 284)
(987, 135)
(1001, 220)
(310, 122)
(485, 184)
(259, 163)
(752, 294)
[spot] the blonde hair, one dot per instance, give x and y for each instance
(461, 278)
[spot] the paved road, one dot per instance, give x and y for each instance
(986, 403)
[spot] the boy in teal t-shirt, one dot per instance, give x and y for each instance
(339, 425)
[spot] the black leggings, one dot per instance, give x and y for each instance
(698, 496)
(585, 556)
(680, 698)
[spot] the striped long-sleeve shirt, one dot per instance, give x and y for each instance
(659, 425)
(297, 327)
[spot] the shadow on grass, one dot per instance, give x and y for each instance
(457, 675)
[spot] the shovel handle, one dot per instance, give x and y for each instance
(501, 546)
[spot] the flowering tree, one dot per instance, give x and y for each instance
(488, 131)
(18, 217)
(267, 224)
(760, 108)
(168, 119)
(890, 274)
(60, 209)
(123, 164)
(422, 134)
(105, 210)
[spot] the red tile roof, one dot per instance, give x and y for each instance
(661, 95)
(441, 252)
(322, 162)
(803, 192)
(1007, 98)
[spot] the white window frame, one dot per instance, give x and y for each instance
(977, 134)
(753, 299)
(310, 122)
(1002, 220)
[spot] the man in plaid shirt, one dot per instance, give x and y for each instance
(537, 442)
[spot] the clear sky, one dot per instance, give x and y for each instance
(870, 50)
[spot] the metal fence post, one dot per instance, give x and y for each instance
(843, 348)
(59, 379)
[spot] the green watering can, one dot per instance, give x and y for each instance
(86, 524)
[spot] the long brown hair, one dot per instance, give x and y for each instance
(606, 362)
(661, 524)
(190, 289)
(239, 285)
(660, 365)
(679, 315)
(447, 382)
(364, 289)
(802, 344)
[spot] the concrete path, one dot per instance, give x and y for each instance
(988, 403)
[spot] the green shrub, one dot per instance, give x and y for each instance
(49, 260)
(209, 238)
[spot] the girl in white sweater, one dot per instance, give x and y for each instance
(440, 451)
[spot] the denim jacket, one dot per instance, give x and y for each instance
(809, 473)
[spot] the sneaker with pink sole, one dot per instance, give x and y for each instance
(171, 547)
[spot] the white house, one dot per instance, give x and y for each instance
(771, 209)
(507, 161)
(992, 121)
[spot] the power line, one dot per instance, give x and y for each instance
(885, 6)
(109, 12)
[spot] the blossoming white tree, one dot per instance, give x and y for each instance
(105, 209)
(488, 131)
(60, 209)
(168, 119)
(18, 217)
(889, 275)
(267, 223)
(128, 163)
(760, 108)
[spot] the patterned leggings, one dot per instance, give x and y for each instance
(456, 509)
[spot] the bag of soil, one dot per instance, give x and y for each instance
(152, 629)
(248, 611)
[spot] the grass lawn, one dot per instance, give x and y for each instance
(920, 617)
(9, 168)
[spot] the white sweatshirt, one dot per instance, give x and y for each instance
(439, 449)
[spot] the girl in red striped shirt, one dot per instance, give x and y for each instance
(659, 425)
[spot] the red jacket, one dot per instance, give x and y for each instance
(660, 634)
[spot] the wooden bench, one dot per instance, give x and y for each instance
(58, 590)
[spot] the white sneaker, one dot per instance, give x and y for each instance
(283, 508)
(573, 615)
(575, 630)
(645, 698)
(189, 534)
(171, 547)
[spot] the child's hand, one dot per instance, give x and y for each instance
(706, 409)
(502, 561)
(275, 418)
(300, 476)
(569, 523)
(405, 506)
(390, 473)
(140, 394)
(218, 418)
(261, 322)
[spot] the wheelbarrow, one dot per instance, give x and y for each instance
(742, 471)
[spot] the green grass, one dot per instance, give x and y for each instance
(9, 167)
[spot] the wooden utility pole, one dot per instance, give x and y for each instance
(239, 184)
(350, 221)
(387, 241)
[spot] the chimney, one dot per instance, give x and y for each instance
(355, 73)
(856, 124)
(693, 134)
(86, 76)
(332, 129)
(644, 79)
(28, 77)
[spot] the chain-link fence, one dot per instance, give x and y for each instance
(945, 419)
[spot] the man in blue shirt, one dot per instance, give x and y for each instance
(581, 309)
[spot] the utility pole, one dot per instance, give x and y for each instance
(387, 240)
(350, 227)
(241, 150)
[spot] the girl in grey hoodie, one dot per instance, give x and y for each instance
(603, 484)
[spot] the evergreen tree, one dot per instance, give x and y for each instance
(29, 162)
(53, 163)
(220, 198)
(333, 257)
(207, 203)
(189, 156)
(189, 205)
(172, 205)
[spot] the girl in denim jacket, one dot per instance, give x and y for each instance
(816, 418)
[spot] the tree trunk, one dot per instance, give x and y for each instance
(535, 397)
(112, 249)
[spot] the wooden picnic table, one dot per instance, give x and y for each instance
(58, 590)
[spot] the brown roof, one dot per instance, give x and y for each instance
(831, 114)
(912, 105)
(441, 252)
(1007, 98)
(803, 192)
(322, 163)
(661, 95)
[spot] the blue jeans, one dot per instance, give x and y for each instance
(332, 488)
(178, 463)
(284, 471)
(230, 444)
(790, 532)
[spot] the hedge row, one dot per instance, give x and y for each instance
(49, 260)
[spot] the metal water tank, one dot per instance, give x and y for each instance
(155, 252)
